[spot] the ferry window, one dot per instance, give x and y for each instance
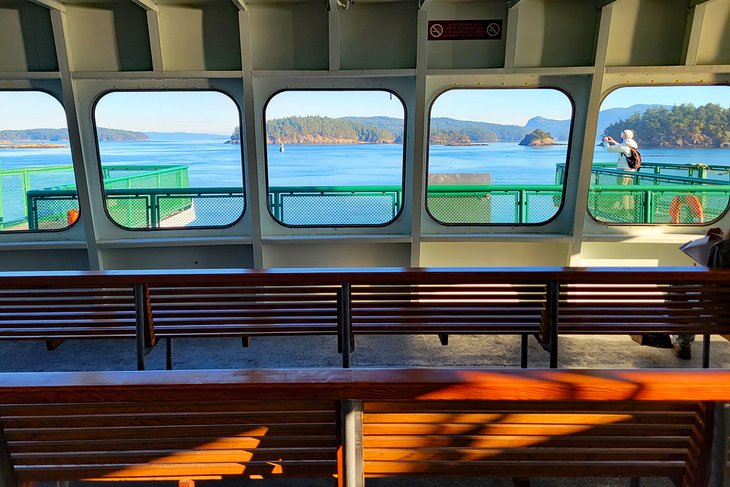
(335, 158)
(170, 159)
(37, 186)
(683, 136)
(494, 155)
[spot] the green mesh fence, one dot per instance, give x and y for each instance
(460, 208)
(645, 198)
(334, 207)
(54, 213)
(131, 211)
(658, 204)
(14, 185)
(491, 204)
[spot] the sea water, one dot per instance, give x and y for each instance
(213, 163)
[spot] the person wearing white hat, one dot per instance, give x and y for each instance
(624, 150)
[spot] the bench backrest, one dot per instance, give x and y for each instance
(544, 302)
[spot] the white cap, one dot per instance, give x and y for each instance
(627, 134)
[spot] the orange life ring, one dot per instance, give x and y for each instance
(72, 216)
(694, 204)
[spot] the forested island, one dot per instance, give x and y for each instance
(678, 126)
(538, 138)
(379, 130)
(61, 135)
(654, 126)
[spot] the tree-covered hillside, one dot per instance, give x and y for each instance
(679, 126)
(58, 135)
(387, 130)
(655, 125)
(324, 130)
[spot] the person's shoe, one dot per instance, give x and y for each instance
(682, 351)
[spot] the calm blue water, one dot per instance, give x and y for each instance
(212, 163)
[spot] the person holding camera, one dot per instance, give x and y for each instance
(623, 148)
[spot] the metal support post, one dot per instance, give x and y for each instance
(706, 351)
(344, 325)
(719, 458)
(553, 298)
(139, 311)
(168, 353)
(351, 444)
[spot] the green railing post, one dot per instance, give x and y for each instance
(647, 203)
(523, 207)
(31, 214)
(153, 207)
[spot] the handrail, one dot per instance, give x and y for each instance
(488, 384)
(374, 275)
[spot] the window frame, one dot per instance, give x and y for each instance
(95, 127)
(427, 135)
(73, 165)
(650, 225)
(404, 190)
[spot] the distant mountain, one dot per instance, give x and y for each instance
(613, 115)
(561, 128)
(184, 136)
(58, 135)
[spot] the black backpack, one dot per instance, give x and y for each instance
(634, 160)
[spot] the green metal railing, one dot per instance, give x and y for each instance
(650, 197)
(652, 204)
(143, 208)
(488, 204)
(709, 172)
(17, 182)
(335, 205)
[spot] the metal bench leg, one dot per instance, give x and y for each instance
(635, 482)
(706, 351)
(443, 338)
(168, 354)
(523, 350)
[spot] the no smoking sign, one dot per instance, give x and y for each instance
(449, 30)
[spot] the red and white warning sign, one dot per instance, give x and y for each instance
(450, 30)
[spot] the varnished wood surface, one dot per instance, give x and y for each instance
(207, 424)
(438, 384)
(387, 275)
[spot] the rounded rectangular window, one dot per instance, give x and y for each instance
(170, 159)
(335, 158)
(682, 135)
(37, 185)
(496, 156)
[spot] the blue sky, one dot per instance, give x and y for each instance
(215, 113)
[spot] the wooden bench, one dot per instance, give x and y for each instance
(542, 302)
(355, 424)
(625, 302)
(40, 307)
